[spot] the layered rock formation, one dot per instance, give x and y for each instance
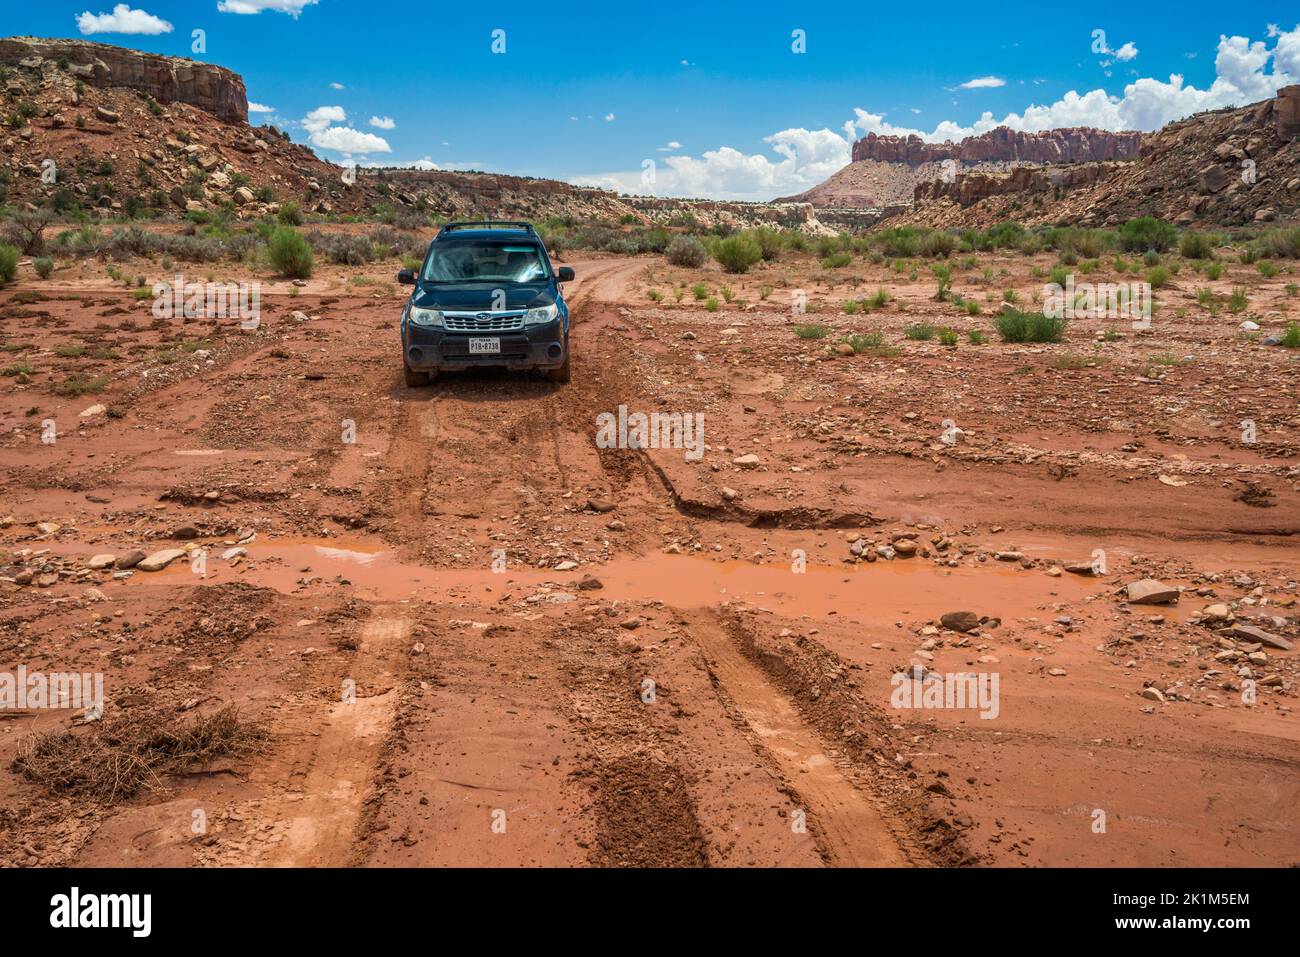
(968, 188)
(167, 79)
(1077, 144)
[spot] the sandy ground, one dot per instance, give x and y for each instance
(674, 661)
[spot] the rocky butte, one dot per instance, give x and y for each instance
(167, 79)
(1076, 144)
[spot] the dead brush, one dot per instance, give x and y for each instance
(115, 759)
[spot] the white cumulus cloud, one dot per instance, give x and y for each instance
(345, 139)
(259, 108)
(249, 7)
(122, 20)
(983, 83)
(383, 122)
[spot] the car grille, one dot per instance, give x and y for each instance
(483, 321)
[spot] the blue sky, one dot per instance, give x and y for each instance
(594, 92)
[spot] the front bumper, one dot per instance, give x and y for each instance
(426, 349)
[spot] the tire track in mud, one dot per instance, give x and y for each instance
(321, 820)
(850, 829)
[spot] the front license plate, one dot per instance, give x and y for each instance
(480, 347)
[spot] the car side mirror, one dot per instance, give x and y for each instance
(406, 277)
(564, 274)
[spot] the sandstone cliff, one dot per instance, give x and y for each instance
(1069, 145)
(167, 79)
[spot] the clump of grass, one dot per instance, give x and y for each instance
(976, 337)
(1158, 277)
(878, 300)
(77, 385)
(1291, 338)
(943, 273)
(1014, 325)
(814, 330)
(873, 342)
(711, 305)
(920, 331)
(116, 759)
(1214, 270)
(655, 295)
(1238, 301)
(8, 263)
(837, 260)
(70, 350)
(1267, 269)
(948, 337)
(1292, 290)
(851, 307)
(44, 265)
(700, 291)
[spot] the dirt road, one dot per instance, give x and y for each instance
(478, 637)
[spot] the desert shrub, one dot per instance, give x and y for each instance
(290, 253)
(737, 253)
(686, 251)
(27, 230)
(290, 215)
(769, 242)
(1147, 232)
(1196, 245)
(1014, 325)
(341, 248)
(1291, 338)
(938, 244)
(8, 263)
(1280, 243)
(44, 266)
(921, 331)
(1238, 301)
(811, 331)
(837, 260)
(1158, 277)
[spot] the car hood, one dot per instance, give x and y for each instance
(475, 297)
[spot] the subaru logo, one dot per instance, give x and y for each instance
(483, 316)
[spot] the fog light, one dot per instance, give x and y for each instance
(554, 351)
(416, 355)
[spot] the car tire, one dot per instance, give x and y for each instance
(415, 379)
(563, 373)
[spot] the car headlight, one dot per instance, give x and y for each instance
(425, 317)
(540, 315)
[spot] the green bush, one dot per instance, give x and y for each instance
(290, 214)
(44, 266)
(1196, 245)
(8, 263)
(1158, 277)
(837, 260)
(1147, 232)
(921, 331)
(812, 331)
(686, 251)
(769, 241)
(1013, 325)
(290, 253)
(1281, 243)
(737, 253)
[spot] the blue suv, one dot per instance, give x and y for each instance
(486, 295)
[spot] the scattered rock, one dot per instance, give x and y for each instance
(1148, 591)
(960, 621)
(160, 560)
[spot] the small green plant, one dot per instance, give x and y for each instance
(1291, 338)
(1267, 269)
(44, 265)
(976, 337)
(1196, 245)
(764, 292)
(700, 291)
(655, 295)
(711, 305)
(1238, 301)
(851, 307)
(943, 273)
(837, 261)
(1013, 325)
(1213, 271)
(77, 385)
(948, 337)
(1292, 289)
(727, 293)
(812, 331)
(1147, 233)
(290, 215)
(1158, 277)
(921, 331)
(70, 350)
(873, 342)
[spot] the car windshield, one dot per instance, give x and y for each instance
(485, 262)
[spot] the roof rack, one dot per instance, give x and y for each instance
(490, 224)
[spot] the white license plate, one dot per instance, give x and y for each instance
(479, 347)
